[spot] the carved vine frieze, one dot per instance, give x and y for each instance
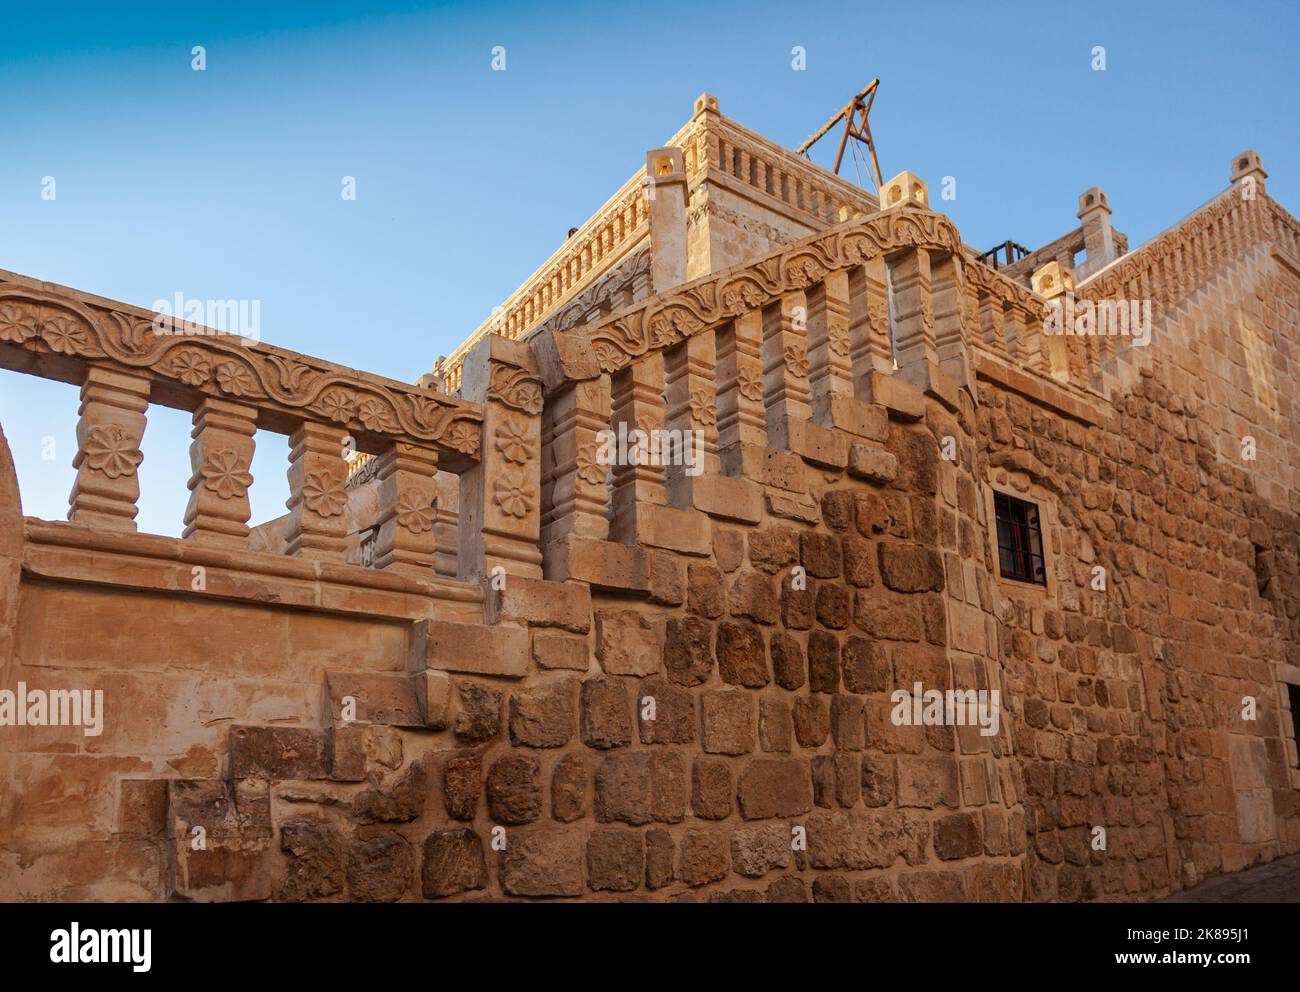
(515, 387)
(226, 366)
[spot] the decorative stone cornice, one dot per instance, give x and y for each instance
(39, 323)
(666, 319)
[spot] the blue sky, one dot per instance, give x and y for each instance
(226, 183)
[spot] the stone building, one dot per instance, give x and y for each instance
(481, 662)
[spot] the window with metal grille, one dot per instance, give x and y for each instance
(1020, 540)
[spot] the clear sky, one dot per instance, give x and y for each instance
(226, 183)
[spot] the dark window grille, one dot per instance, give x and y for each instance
(1020, 540)
(1293, 696)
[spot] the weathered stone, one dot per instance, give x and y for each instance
(361, 698)
(847, 726)
(757, 850)
(820, 555)
(462, 781)
(812, 721)
(865, 665)
(478, 717)
(789, 889)
(674, 719)
(542, 862)
(728, 547)
(314, 868)
(276, 753)
(400, 804)
(543, 716)
(832, 888)
(660, 854)
(798, 606)
(640, 787)
(958, 836)
(705, 590)
(629, 643)
(910, 567)
(788, 664)
(773, 549)
(453, 863)
(569, 788)
(712, 797)
(514, 788)
(834, 604)
(858, 568)
(688, 651)
(753, 595)
(877, 780)
(380, 869)
(727, 721)
(854, 841)
(775, 729)
(927, 782)
(742, 656)
(705, 857)
(538, 603)
(554, 650)
(606, 722)
(615, 859)
(823, 661)
(774, 787)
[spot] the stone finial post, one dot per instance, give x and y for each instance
(113, 406)
(1098, 238)
(1248, 172)
(318, 497)
(500, 497)
(220, 457)
(665, 171)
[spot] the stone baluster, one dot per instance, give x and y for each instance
(951, 335)
(785, 367)
(692, 404)
(871, 350)
(638, 405)
(111, 425)
(992, 322)
(447, 529)
(576, 484)
(830, 376)
(742, 427)
(500, 497)
(408, 511)
(318, 498)
(220, 457)
(914, 317)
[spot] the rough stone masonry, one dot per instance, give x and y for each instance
(479, 662)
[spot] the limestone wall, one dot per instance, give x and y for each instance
(630, 682)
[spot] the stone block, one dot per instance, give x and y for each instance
(629, 643)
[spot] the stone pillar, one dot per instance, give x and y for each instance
(1098, 239)
(691, 390)
(666, 190)
(408, 510)
(1049, 342)
(830, 376)
(638, 404)
(577, 483)
(741, 425)
(447, 528)
(785, 367)
(951, 333)
(112, 412)
(220, 457)
(914, 346)
(500, 497)
(871, 349)
(318, 497)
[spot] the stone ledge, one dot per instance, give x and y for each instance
(1049, 394)
(540, 602)
(473, 648)
(903, 400)
(67, 552)
(728, 498)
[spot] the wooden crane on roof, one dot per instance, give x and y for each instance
(854, 116)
